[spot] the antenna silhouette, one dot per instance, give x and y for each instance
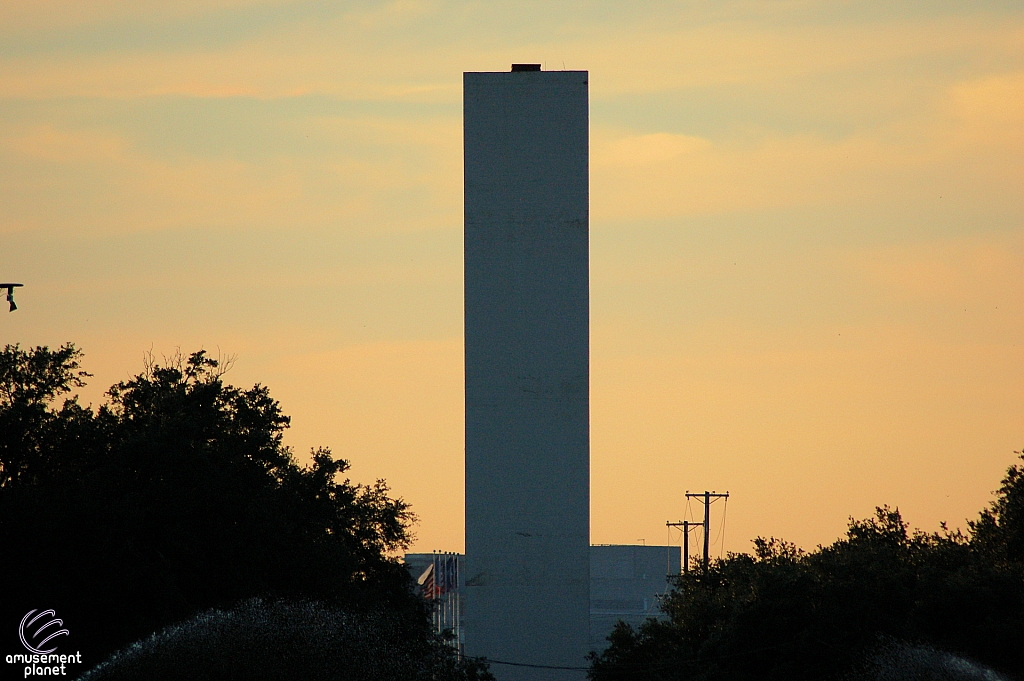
(10, 294)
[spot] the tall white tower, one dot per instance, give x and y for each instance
(527, 305)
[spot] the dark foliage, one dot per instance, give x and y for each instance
(174, 497)
(897, 661)
(283, 640)
(29, 429)
(781, 613)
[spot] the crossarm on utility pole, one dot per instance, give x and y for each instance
(706, 498)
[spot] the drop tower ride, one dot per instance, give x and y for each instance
(527, 337)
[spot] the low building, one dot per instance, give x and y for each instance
(626, 583)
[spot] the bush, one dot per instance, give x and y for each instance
(280, 640)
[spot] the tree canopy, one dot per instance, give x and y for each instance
(175, 496)
(783, 613)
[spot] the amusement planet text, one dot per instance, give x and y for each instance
(45, 665)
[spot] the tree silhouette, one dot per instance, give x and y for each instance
(30, 430)
(781, 613)
(176, 496)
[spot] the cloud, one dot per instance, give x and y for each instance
(989, 110)
(639, 150)
(763, 54)
(973, 272)
(45, 142)
(383, 175)
(94, 181)
(966, 147)
(416, 49)
(63, 15)
(659, 176)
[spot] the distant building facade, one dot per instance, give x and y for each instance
(627, 583)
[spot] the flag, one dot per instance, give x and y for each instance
(426, 582)
(447, 578)
(451, 576)
(441, 578)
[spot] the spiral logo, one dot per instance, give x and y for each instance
(45, 629)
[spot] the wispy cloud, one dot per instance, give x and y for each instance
(789, 202)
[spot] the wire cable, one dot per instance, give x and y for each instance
(725, 514)
(535, 666)
(646, 665)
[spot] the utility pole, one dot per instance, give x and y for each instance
(687, 526)
(706, 498)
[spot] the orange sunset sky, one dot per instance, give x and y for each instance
(807, 235)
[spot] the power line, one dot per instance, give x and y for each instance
(721, 528)
(649, 665)
(535, 666)
(707, 498)
(725, 514)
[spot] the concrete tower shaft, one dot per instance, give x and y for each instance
(527, 339)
